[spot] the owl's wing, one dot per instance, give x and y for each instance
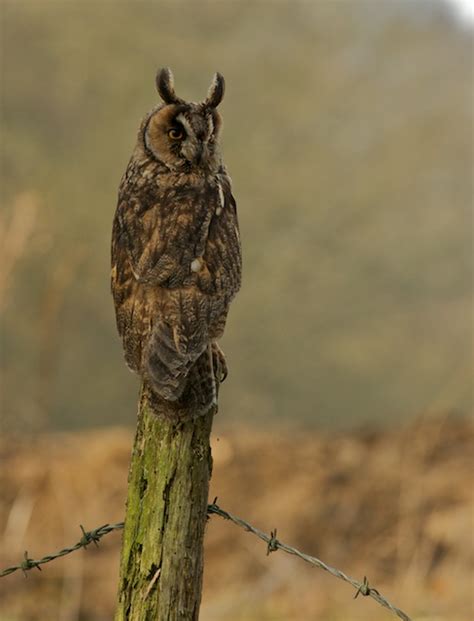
(138, 251)
(158, 317)
(223, 255)
(139, 239)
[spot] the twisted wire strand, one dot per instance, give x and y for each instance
(273, 544)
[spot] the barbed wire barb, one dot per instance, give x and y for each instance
(273, 544)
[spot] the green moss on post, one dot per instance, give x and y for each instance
(162, 551)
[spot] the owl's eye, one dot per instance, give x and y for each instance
(176, 133)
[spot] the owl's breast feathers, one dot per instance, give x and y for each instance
(178, 234)
(176, 265)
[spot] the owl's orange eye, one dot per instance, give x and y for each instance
(176, 133)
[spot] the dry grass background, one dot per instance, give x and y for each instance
(395, 505)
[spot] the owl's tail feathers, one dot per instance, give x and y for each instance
(167, 363)
(190, 377)
(201, 385)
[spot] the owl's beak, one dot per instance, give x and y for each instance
(198, 157)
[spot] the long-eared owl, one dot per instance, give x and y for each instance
(176, 257)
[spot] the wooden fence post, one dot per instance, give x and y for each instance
(162, 550)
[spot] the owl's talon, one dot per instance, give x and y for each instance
(219, 363)
(224, 373)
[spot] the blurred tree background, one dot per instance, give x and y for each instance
(348, 134)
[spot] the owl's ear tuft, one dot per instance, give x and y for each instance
(215, 94)
(165, 86)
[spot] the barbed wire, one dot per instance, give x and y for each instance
(273, 544)
(362, 588)
(91, 536)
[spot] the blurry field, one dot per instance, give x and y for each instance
(393, 505)
(348, 136)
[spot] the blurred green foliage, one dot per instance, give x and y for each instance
(348, 137)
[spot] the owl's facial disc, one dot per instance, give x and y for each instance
(184, 135)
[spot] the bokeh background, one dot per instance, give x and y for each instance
(348, 135)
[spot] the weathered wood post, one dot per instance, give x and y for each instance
(162, 551)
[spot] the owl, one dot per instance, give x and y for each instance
(176, 255)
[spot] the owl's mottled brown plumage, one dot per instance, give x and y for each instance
(176, 259)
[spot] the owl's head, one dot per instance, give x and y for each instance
(184, 135)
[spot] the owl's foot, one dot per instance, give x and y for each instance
(219, 363)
